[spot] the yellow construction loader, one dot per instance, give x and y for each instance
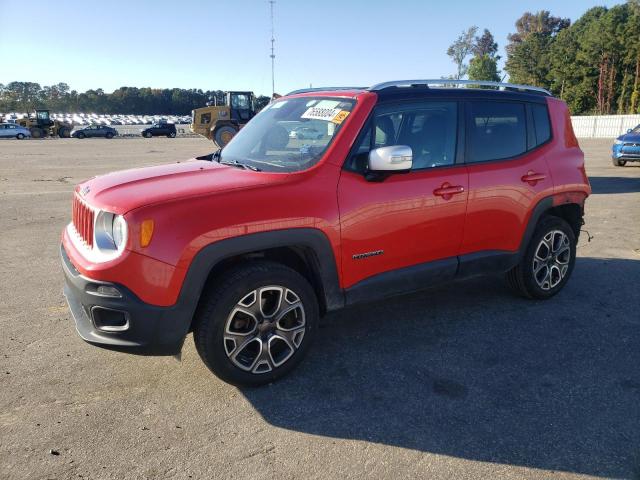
(220, 123)
(42, 126)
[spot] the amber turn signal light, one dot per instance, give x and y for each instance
(146, 232)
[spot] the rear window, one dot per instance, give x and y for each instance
(497, 130)
(541, 123)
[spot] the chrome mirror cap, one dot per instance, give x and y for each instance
(391, 159)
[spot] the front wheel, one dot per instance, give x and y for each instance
(256, 324)
(146, 134)
(548, 261)
(109, 135)
(20, 136)
(619, 163)
(223, 135)
(80, 135)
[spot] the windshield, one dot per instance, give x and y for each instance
(289, 135)
(636, 130)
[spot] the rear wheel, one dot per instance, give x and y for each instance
(548, 261)
(223, 135)
(146, 134)
(172, 135)
(20, 136)
(109, 135)
(80, 135)
(257, 324)
(619, 163)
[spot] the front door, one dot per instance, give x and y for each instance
(412, 219)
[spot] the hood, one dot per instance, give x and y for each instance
(126, 190)
(630, 137)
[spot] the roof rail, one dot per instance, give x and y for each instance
(327, 89)
(458, 83)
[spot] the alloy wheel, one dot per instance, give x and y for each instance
(551, 259)
(264, 329)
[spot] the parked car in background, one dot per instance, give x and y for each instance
(626, 148)
(302, 133)
(160, 130)
(12, 130)
(94, 131)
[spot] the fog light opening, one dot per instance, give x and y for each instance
(109, 320)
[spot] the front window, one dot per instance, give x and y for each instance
(289, 135)
(240, 101)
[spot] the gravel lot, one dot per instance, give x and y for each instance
(465, 381)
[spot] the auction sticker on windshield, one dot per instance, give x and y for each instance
(334, 115)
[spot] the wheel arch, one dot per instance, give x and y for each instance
(306, 250)
(568, 206)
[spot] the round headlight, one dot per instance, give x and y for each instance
(119, 231)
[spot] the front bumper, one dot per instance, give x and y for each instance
(124, 322)
(631, 154)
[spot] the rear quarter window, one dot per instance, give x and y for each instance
(541, 123)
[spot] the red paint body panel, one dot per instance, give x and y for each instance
(400, 216)
(500, 202)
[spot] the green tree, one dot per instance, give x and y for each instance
(460, 49)
(484, 68)
(528, 49)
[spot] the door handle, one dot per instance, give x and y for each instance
(446, 191)
(532, 177)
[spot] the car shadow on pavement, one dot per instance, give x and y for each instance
(603, 185)
(473, 372)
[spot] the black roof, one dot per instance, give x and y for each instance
(422, 92)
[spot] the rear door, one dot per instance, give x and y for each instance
(508, 173)
(408, 219)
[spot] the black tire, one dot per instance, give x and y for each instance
(64, 132)
(220, 300)
(221, 135)
(172, 135)
(80, 135)
(37, 133)
(618, 162)
(20, 136)
(109, 135)
(146, 134)
(522, 279)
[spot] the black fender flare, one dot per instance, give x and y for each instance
(541, 207)
(323, 262)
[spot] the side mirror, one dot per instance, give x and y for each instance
(629, 131)
(396, 158)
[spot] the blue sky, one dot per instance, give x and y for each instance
(224, 44)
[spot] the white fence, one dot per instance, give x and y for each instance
(603, 126)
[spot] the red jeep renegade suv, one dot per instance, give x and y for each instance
(403, 186)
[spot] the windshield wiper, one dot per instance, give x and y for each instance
(236, 163)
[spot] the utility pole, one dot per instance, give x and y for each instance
(273, 55)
